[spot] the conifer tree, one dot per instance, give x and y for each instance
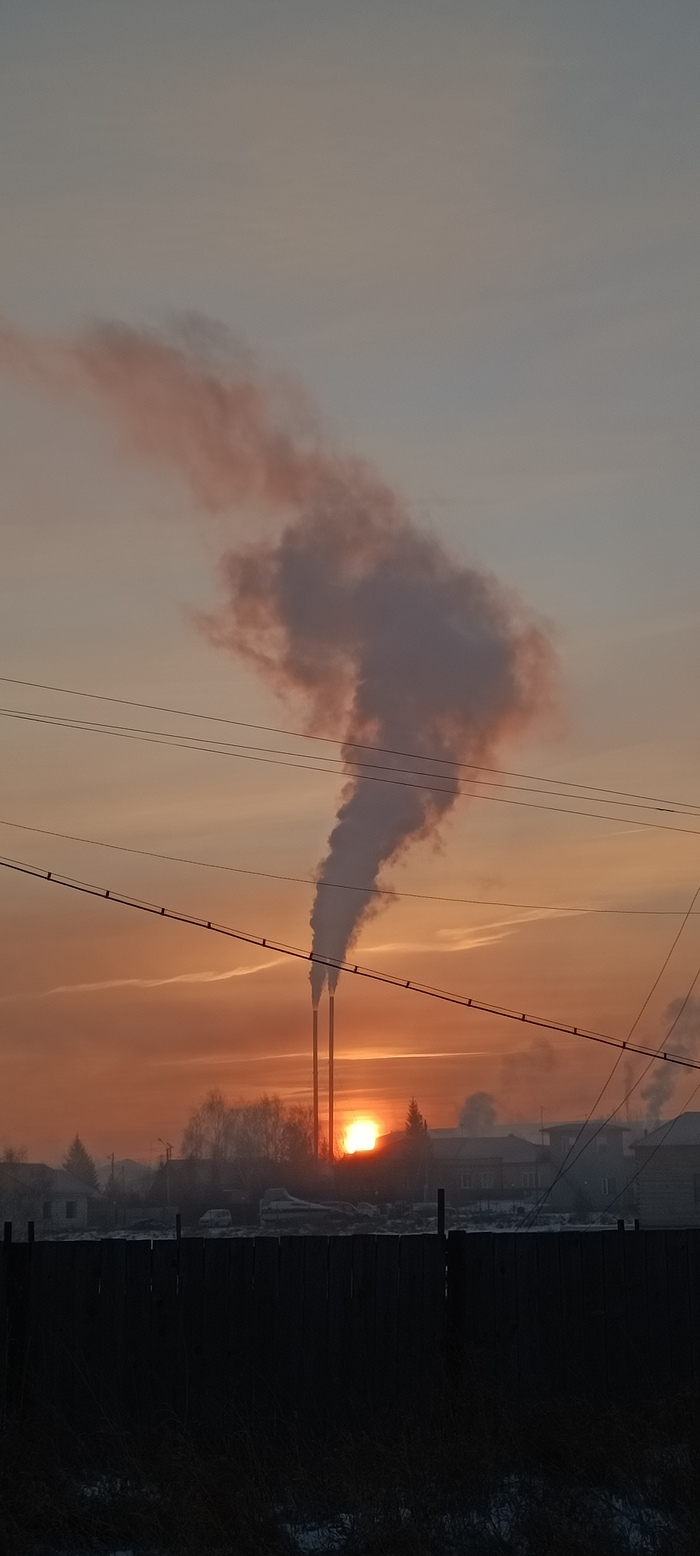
(80, 1164)
(416, 1127)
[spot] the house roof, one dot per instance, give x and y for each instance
(586, 1126)
(452, 1145)
(683, 1130)
(41, 1179)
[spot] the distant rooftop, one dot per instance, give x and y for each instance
(38, 1178)
(683, 1130)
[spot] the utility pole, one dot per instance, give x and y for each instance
(168, 1158)
(331, 1076)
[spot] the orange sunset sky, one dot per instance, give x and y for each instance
(470, 233)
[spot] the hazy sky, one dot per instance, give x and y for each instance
(471, 231)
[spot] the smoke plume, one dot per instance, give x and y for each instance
(682, 1022)
(386, 639)
(478, 1113)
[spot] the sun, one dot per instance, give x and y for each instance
(360, 1135)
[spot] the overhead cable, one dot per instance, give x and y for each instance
(274, 729)
(186, 743)
(337, 965)
(573, 909)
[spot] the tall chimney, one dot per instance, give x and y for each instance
(314, 1064)
(331, 1073)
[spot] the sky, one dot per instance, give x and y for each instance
(470, 232)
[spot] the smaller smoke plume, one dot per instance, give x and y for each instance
(682, 1019)
(478, 1113)
(524, 1075)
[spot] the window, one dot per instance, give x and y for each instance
(478, 1180)
(46, 1210)
(71, 1209)
(529, 1180)
(602, 1143)
(609, 1185)
(696, 1188)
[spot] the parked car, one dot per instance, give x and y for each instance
(215, 1218)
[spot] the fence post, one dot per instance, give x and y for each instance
(30, 1231)
(441, 1214)
(7, 1233)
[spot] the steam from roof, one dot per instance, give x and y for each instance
(681, 1020)
(385, 637)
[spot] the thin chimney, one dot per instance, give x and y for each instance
(314, 1061)
(331, 1073)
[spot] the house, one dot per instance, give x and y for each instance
(483, 1169)
(49, 1196)
(668, 1167)
(591, 1167)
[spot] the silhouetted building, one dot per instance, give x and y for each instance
(591, 1168)
(668, 1164)
(49, 1196)
(482, 1169)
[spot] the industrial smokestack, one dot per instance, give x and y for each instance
(331, 1074)
(314, 1066)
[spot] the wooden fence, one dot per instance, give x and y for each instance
(210, 1331)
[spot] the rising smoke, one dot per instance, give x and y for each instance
(681, 1020)
(385, 638)
(478, 1113)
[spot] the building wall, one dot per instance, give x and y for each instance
(600, 1171)
(668, 1189)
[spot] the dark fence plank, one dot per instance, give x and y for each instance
(87, 1273)
(62, 1298)
(386, 1337)
(137, 1330)
(456, 1308)
(694, 1304)
(191, 1333)
(657, 1299)
(339, 1319)
(410, 1319)
(505, 1311)
(111, 1326)
(364, 1290)
(214, 1328)
(527, 1275)
(164, 1331)
(240, 1357)
(316, 1401)
(572, 1297)
(290, 1324)
(639, 1326)
(593, 1330)
(433, 1316)
(616, 1346)
(265, 1323)
(679, 1312)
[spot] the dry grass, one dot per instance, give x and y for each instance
(478, 1479)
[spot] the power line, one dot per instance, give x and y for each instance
(310, 880)
(643, 1165)
(340, 769)
(338, 965)
(191, 744)
(274, 729)
(568, 1162)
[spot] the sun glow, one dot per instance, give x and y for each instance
(360, 1135)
